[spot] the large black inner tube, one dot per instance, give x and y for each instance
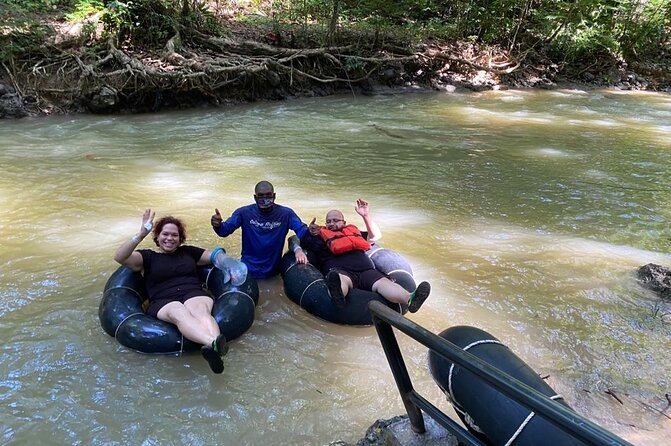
(488, 413)
(122, 315)
(305, 285)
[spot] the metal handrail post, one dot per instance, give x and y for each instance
(464, 436)
(400, 372)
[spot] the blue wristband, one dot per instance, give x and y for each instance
(214, 253)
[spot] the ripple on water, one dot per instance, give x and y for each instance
(551, 152)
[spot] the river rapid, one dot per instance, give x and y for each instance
(528, 211)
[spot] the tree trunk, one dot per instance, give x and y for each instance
(334, 23)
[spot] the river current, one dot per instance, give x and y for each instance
(528, 211)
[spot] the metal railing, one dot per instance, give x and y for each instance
(384, 318)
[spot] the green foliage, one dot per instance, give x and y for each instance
(24, 38)
(20, 31)
(24, 6)
(584, 43)
(153, 22)
(590, 28)
(149, 22)
(354, 66)
(84, 8)
(300, 12)
(435, 28)
(116, 16)
(646, 25)
(576, 30)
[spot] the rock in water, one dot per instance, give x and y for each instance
(656, 278)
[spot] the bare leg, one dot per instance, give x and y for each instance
(346, 284)
(200, 307)
(391, 291)
(194, 320)
(188, 324)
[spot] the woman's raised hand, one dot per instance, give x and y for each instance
(147, 222)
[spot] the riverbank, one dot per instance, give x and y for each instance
(76, 72)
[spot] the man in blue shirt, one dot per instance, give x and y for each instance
(265, 226)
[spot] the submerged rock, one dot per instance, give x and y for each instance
(397, 431)
(656, 278)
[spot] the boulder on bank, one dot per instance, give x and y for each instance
(656, 278)
(11, 105)
(104, 100)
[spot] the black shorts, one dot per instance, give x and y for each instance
(180, 295)
(363, 280)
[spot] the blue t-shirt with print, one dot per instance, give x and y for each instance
(263, 236)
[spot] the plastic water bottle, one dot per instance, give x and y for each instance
(233, 269)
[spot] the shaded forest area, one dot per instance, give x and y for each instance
(65, 56)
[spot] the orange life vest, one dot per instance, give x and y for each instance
(345, 240)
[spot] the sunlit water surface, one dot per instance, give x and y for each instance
(528, 211)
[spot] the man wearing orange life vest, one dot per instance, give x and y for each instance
(341, 250)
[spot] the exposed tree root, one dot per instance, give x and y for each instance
(193, 66)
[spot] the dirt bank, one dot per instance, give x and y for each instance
(74, 74)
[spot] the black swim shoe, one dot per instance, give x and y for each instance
(212, 358)
(419, 296)
(220, 346)
(335, 289)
